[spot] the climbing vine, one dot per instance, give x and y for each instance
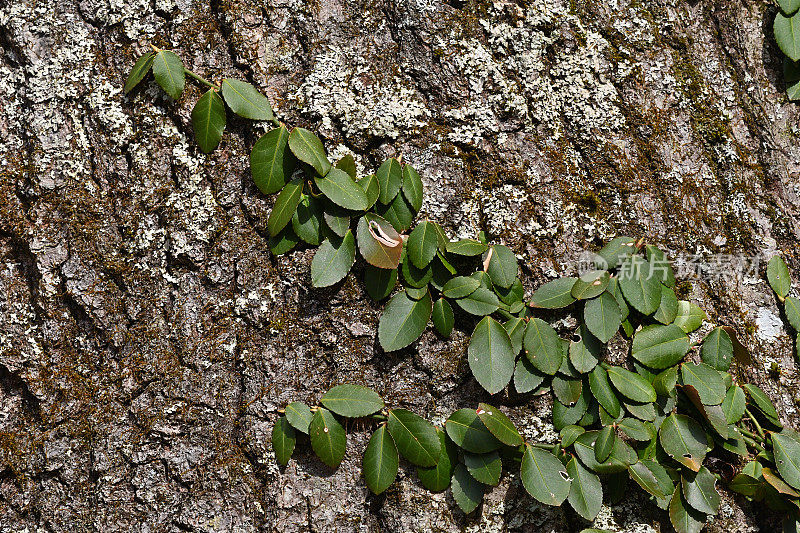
(651, 410)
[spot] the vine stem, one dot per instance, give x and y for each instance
(751, 435)
(201, 79)
(753, 444)
(755, 422)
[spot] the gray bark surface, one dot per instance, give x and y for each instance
(147, 336)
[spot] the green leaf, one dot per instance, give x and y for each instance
(684, 440)
(565, 416)
(443, 318)
(208, 120)
(604, 444)
(502, 266)
(590, 284)
(734, 405)
(285, 206)
(246, 101)
(612, 254)
(621, 456)
(416, 277)
(371, 187)
(631, 385)
(636, 429)
(717, 350)
(499, 425)
(700, 491)
(168, 72)
(437, 478)
(789, 7)
(660, 346)
(403, 321)
(771, 477)
(585, 352)
(640, 286)
(467, 491)
(460, 286)
(668, 308)
(543, 346)
(415, 437)
(762, 401)
(299, 416)
(516, 332)
(484, 467)
(569, 434)
(348, 164)
(616, 292)
(652, 477)
(380, 461)
(379, 243)
(777, 272)
(491, 356)
(554, 294)
(567, 390)
(336, 218)
(390, 179)
(139, 71)
(308, 148)
(683, 517)
(412, 187)
(284, 241)
(327, 437)
(791, 75)
(307, 220)
(662, 267)
(602, 391)
(480, 302)
(586, 492)
(513, 294)
(422, 244)
(707, 381)
(466, 247)
(602, 316)
(283, 440)
(333, 260)
(745, 484)
(544, 477)
(664, 383)
(690, 316)
(467, 431)
(270, 162)
(398, 213)
(379, 282)
(342, 190)
(526, 376)
(792, 308)
(787, 35)
(787, 458)
(417, 293)
(352, 401)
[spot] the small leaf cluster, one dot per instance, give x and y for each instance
(786, 29)
(781, 282)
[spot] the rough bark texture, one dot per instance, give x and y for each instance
(147, 336)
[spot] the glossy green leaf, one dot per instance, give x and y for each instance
(336, 218)
(422, 244)
(662, 268)
(604, 443)
(586, 492)
(787, 458)
(307, 221)
(348, 164)
(467, 431)
(246, 101)
(584, 353)
(761, 401)
(684, 440)
(543, 346)
(502, 267)
(398, 213)
(590, 284)
(777, 271)
(412, 187)
(308, 148)
(603, 393)
(689, 317)
(390, 179)
(466, 247)
(616, 292)
(271, 162)
(491, 356)
(139, 71)
(340, 189)
(636, 429)
(745, 484)
(379, 282)
(631, 385)
(328, 438)
(333, 260)
(554, 294)
(664, 383)
(467, 491)
(526, 376)
(299, 416)
(640, 286)
(443, 318)
(208, 120)
(378, 242)
(792, 308)
(460, 286)
(484, 467)
(516, 332)
(371, 187)
(416, 277)
(417, 293)
(380, 461)
(734, 404)
(668, 307)
(285, 206)
(652, 477)
(683, 517)
(284, 241)
(565, 416)
(699, 491)
(602, 316)
(403, 321)
(415, 437)
(717, 350)
(707, 381)
(499, 425)
(283, 440)
(544, 477)
(787, 35)
(614, 252)
(642, 411)
(480, 302)
(567, 390)
(352, 401)
(168, 72)
(569, 434)
(621, 456)
(659, 346)
(437, 478)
